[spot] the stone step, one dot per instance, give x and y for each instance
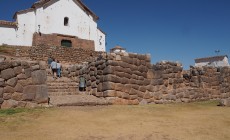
(77, 100)
(62, 93)
(62, 87)
(62, 90)
(62, 84)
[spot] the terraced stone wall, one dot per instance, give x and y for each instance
(131, 79)
(64, 55)
(22, 84)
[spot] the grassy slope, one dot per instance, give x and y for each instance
(195, 121)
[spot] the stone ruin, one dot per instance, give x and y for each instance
(120, 78)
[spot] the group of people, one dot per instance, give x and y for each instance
(55, 66)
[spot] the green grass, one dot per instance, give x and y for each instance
(6, 112)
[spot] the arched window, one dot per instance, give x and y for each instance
(66, 21)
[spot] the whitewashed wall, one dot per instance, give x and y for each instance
(8, 35)
(100, 43)
(26, 28)
(50, 18)
(222, 63)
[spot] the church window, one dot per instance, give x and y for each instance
(66, 21)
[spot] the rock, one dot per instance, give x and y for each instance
(1, 92)
(7, 96)
(108, 86)
(35, 67)
(2, 82)
(9, 89)
(31, 105)
(42, 65)
(19, 88)
(7, 104)
(225, 102)
(21, 104)
(143, 102)
(18, 70)
(118, 58)
(39, 77)
(25, 82)
(17, 96)
(7, 74)
(27, 72)
(12, 82)
(21, 76)
(38, 93)
(1, 101)
(109, 93)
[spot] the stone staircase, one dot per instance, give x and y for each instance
(61, 86)
(64, 92)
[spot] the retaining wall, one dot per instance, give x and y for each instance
(22, 84)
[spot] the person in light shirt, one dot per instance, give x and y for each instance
(53, 66)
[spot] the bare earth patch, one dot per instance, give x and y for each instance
(195, 121)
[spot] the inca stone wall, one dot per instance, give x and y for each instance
(64, 55)
(22, 84)
(131, 79)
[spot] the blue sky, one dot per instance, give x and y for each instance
(176, 30)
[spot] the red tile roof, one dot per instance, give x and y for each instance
(8, 23)
(210, 59)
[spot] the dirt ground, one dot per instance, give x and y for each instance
(194, 121)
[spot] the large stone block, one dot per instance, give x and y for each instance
(17, 70)
(1, 101)
(1, 92)
(27, 72)
(109, 93)
(2, 82)
(119, 87)
(7, 104)
(25, 82)
(7, 96)
(35, 67)
(21, 76)
(108, 70)
(17, 96)
(12, 82)
(108, 86)
(38, 93)
(42, 65)
(18, 88)
(9, 89)
(39, 77)
(7, 74)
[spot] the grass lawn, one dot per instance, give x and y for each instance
(194, 121)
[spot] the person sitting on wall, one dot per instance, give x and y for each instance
(58, 69)
(54, 68)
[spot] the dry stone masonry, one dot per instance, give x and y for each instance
(22, 84)
(120, 78)
(126, 78)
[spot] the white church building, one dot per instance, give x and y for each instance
(68, 23)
